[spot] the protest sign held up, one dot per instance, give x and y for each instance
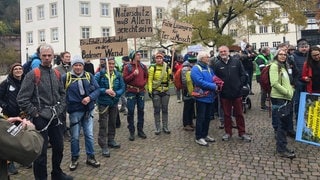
(176, 31)
(95, 48)
(133, 22)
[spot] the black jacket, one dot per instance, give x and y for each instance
(9, 89)
(233, 75)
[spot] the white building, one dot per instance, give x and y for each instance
(62, 23)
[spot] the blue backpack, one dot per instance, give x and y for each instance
(27, 65)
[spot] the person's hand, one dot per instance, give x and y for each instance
(136, 72)
(86, 100)
(24, 121)
(110, 92)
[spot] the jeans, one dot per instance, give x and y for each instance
(123, 100)
(275, 119)
(300, 87)
(283, 124)
(233, 106)
(107, 124)
(203, 119)
(188, 112)
(178, 92)
(54, 135)
(78, 120)
(132, 100)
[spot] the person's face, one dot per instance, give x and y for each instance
(282, 56)
(315, 55)
(159, 60)
(102, 63)
(66, 58)
(303, 48)
(284, 48)
(17, 71)
(46, 56)
(137, 56)
(78, 68)
(205, 59)
(111, 64)
(224, 52)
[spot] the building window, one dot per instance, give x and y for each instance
(53, 10)
(41, 12)
(29, 38)
(54, 34)
(263, 29)
(275, 43)
(252, 29)
(233, 32)
(105, 32)
(42, 36)
(254, 46)
(85, 32)
(159, 13)
(29, 14)
(263, 44)
(105, 9)
(84, 8)
(275, 29)
(144, 54)
(284, 14)
(285, 28)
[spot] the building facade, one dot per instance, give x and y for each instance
(62, 23)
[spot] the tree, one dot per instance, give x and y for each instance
(209, 24)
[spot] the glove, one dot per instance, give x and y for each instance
(150, 95)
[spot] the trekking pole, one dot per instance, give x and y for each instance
(108, 73)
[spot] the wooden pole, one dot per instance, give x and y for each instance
(172, 57)
(108, 73)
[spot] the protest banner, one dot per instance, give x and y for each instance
(95, 48)
(176, 31)
(133, 22)
(308, 126)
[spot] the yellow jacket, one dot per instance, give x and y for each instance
(159, 77)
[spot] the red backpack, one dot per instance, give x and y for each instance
(177, 79)
(37, 75)
(265, 79)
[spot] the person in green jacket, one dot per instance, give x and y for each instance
(281, 96)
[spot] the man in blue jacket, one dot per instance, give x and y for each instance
(233, 74)
(81, 92)
(111, 88)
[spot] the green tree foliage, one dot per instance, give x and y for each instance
(210, 18)
(10, 15)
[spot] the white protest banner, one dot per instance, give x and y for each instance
(133, 22)
(95, 48)
(176, 31)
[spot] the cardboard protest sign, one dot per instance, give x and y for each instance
(133, 22)
(308, 126)
(95, 48)
(176, 31)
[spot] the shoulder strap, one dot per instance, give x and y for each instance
(37, 75)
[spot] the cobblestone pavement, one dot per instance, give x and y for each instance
(177, 156)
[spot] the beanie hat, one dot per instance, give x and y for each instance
(125, 58)
(132, 54)
(192, 59)
(302, 42)
(77, 59)
(13, 66)
(159, 55)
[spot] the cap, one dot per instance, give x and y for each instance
(192, 59)
(13, 66)
(125, 58)
(77, 59)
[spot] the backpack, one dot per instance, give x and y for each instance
(70, 79)
(37, 75)
(265, 79)
(177, 79)
(27, 65)
(130, 67)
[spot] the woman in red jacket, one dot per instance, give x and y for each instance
(311, 70)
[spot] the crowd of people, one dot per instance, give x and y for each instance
(49, 95)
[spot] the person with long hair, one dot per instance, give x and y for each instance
(311, 70)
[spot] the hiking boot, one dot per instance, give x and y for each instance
(201, 142)
(210, 139)
(290, 150)
(265, 108)
(221, 126)
(157, 131)
(142, 135)
(166, 130)
(131, 136)
(91, 161)
(179, 101)
(113, 144)
(12, 170)
(61, 176)
(105, 152)
(286, 154)
(245, 137)
(74, 163)
(188, 128)
(226, 137)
